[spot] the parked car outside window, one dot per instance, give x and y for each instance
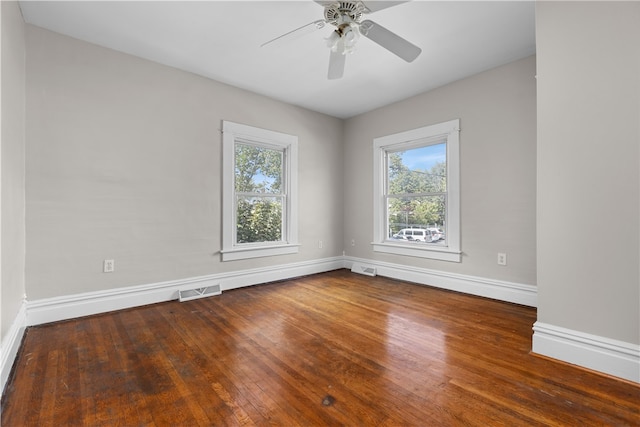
(416, 235)
(437, 233)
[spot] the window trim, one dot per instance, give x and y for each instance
(448, 131)
(233, 133)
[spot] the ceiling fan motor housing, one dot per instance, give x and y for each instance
(335, 13)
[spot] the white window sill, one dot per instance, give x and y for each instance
(411, 249)
(258, 251)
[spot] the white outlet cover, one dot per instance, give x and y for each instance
(108, 266)
(502, 259)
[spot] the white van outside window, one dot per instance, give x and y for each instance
(416, 235)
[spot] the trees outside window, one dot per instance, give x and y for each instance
(259, 197)
(416, 186)
(259, 192)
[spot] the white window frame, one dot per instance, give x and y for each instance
(448, 131)
(233, 133)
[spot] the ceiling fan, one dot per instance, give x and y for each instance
(347, 17)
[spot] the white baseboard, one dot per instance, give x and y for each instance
(616, 358)
(11, 344)
(73, 306)
(496, 289)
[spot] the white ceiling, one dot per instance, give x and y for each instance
(221, 40)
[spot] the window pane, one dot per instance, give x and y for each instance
(418, 170)
(424, 212)
(257, 169)
(417, 192)
(259, 219)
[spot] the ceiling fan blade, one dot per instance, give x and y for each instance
(298, 32)
(389, 40)
(376, 5)
(325, 3)
(336, 65)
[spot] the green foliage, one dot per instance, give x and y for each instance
(258, 169)
(258, 178)
(415, 196)
(259, 220)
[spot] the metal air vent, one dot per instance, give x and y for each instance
(367, 270)
(195, 293)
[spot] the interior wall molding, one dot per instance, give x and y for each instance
(66, 307)
(72, 306)
(11, 344)
(616, 358)
(480, 286)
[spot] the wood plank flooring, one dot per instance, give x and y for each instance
(329, 349)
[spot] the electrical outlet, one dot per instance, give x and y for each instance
(319, 244)
(502, 259)
(108, 266)
(353, 242)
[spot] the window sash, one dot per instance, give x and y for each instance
(281, 201)
(447, 132)
(232, 134)
(409, 146)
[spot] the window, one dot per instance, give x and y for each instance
(259, 181)
(417, 192)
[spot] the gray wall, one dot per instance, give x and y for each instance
(123, 162)
(497, 112)
(12, 231)
(588, 163)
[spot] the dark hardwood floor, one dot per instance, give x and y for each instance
(330, 349)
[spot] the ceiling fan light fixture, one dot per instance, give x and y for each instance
(343, 40)
(333, 40)
(350, 35)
